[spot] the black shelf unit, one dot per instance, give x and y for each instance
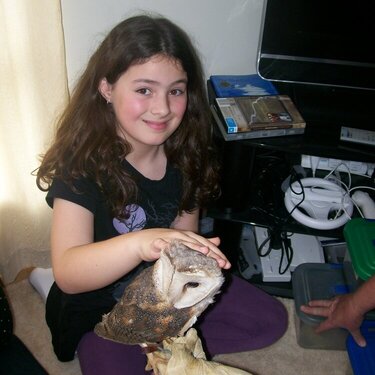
(242, 165)
(324, 117)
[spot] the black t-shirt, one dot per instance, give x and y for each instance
(157, 204)
(69, 316)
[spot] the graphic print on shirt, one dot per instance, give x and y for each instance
(135, 222)
(152, 216)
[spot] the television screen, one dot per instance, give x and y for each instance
(321, 42)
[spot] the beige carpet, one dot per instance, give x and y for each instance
(283, 358)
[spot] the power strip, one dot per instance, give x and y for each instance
(328, 164)
(357, 135)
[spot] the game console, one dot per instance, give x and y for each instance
(306, 249)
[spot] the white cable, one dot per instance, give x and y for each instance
(336, 170)
(362, 187)
(314, 162)
(358, 209)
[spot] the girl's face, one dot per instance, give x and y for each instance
(149, 100)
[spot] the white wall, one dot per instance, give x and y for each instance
(226, 32)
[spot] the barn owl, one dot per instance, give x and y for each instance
(164, 300)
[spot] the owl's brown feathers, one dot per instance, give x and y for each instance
(163, 300)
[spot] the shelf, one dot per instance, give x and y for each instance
(325, 110)
(251, 186)
(319, 139)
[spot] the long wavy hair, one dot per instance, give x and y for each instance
(87, 143)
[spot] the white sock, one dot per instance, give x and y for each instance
(42, 279)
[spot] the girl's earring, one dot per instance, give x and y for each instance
(108, 101)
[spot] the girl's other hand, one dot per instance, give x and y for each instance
(162, 237)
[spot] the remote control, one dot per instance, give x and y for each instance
(357, 135)
(365, 203)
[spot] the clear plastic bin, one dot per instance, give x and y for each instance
(313, 281)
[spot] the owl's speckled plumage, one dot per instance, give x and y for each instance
(163, 300)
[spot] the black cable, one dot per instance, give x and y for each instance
(275, 221)
(260, 248)
(287, 251)
(286, 247)
(295, 178)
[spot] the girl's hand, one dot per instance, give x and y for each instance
(157, 239)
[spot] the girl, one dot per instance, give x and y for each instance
(130, 166)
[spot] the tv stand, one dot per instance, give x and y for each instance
(252, 173)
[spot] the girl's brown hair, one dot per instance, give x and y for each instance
(86, 142)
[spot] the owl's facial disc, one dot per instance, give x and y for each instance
(187, 290)
(184, 277)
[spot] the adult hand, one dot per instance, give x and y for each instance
(340, 312)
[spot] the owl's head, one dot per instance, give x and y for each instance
(186, 277)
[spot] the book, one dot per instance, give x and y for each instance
(257, 117)
(241, 85)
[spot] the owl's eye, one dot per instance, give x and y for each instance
(191, 285)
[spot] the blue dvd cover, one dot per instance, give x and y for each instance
(241, 85)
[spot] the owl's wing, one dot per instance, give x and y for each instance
(134, 324)
(127, 326)
(142, 315)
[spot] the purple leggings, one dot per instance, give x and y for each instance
(243, 318)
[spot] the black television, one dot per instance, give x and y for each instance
(321, 42)
(320, 52)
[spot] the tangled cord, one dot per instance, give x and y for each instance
(285, 245)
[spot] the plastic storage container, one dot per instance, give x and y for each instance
(363, 359)
(313, 281)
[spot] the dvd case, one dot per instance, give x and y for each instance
(265, 122)
(247, 114)
(241, 85)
